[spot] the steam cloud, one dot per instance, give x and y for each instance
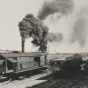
(51, 7)
(70, 19)
(55, 37)
(79, 32)
(80, 28)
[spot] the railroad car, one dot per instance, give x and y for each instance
(72, 63)
(16, 63)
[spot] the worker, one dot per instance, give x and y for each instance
(21, 66)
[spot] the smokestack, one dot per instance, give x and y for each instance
(23, 44)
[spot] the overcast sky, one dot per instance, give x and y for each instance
(13, 11)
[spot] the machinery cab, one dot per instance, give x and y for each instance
(56, 64)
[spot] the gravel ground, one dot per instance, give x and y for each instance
(27, 82)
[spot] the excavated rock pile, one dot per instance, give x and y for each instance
(73, 62)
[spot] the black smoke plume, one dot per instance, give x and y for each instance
(51, 7)
(30, 26)
(52, 37)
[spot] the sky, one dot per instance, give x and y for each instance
(72, 25)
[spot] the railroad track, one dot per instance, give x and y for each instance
(58, 83)
(51, 83)
(68, 82)
(46, 84)
(62, 83)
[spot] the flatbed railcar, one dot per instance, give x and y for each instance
(16, 63)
